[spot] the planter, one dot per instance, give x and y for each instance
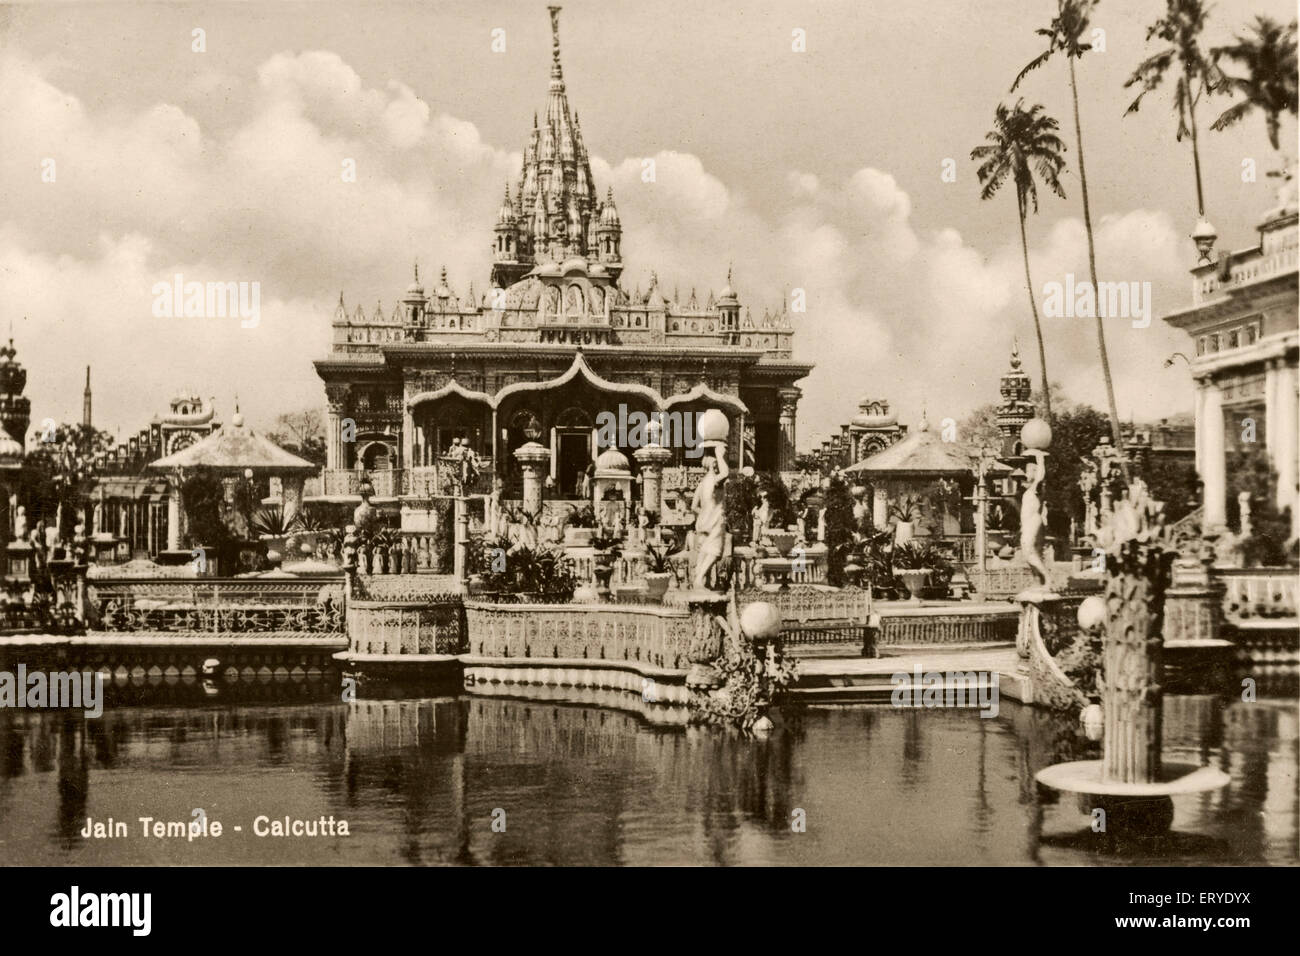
(783, 541)
(275, 542)
(914, 580)
(578, 537)
(902, 532)
(656, 584)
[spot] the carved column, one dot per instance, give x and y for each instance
(1132, 661)
(336, 399)
(789, 407)
(174, 514)
(533, 459)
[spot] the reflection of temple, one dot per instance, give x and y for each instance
(129, 505)
(552, 343)
(1243, 322)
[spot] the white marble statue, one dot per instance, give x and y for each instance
(1033, 521)
(20, 523)
(710, 515)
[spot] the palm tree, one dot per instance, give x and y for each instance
(1065, 35)
(1021, 142)
(1181, 27)
(1268, 55)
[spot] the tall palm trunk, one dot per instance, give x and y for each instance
(1092, 271)
(1038, 325)
(1196, 151)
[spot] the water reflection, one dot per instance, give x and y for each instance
(423, 781)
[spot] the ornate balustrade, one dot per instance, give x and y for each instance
(218, 605)
(1258, 592)
(650, 634)
(388, 483)
(397, 628)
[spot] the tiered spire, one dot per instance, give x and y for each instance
(1016, 408)
(555, 214)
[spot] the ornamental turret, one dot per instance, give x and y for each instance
(1016, 408)
(15, 408)
(507, 232)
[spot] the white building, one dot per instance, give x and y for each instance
(1244, 326)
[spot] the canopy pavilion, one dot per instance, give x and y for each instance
(233, 451)
(923, 464)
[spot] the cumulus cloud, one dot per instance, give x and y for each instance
(916, 315)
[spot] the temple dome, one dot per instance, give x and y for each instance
(611, 459)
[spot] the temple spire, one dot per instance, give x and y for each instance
(556, 72)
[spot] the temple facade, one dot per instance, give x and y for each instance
(553, 341)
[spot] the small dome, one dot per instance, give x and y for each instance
(608, 213)
(12, 449)
(506, 214)
(611, 459)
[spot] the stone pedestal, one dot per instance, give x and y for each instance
(1193, 603)
(652, 459)
(534, 459)
(706, 638)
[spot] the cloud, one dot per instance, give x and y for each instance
(896, 310)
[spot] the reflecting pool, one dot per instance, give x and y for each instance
(485, 780)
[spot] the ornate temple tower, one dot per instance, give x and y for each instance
(15, 408)
(1016, 408)
(555, 214)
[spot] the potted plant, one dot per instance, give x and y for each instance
(659, 570)
(580, 527)
(271, 528)
(914, 563)
(905, 512)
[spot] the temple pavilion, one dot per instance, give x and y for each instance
(553, 340)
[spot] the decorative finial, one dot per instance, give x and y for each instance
(555, 34)
(417, 270)
(729, 273)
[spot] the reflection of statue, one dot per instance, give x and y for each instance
(1033, 520)
(710, 515)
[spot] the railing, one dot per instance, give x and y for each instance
(1258, 592)
(961, 546)
(387, 483)
(424, 481)
(1248, 267)
(400, 628)
(218, 606)
(659, 636)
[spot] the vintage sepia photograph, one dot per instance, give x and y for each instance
(656, 434)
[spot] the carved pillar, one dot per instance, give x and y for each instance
(533, 459)
(880, 507)
(1132, 661)
(336, 398)
(652, 459)
(1214, 468)
(174, 515)
(408, 441)
(789, 407)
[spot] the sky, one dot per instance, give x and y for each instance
(818, 170)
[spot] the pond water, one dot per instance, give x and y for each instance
(423, 781)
